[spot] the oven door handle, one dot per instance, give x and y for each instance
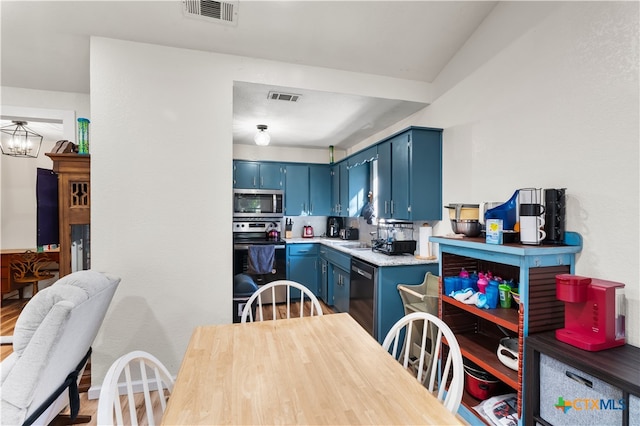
(246, 246)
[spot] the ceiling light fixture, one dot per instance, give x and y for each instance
(19, 141)
(262, 138)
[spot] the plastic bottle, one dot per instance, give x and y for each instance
(493, 293)
(482, 283)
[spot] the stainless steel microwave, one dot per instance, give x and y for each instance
(265, 203)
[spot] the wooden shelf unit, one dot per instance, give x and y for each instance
(479, 330)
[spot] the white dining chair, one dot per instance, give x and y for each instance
(254, 308)
(434, 365)
(134, 373)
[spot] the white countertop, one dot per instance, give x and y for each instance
(378, 259)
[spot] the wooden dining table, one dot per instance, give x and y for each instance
(313, 370)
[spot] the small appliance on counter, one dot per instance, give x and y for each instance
(594, 312)
(554, 215)
(394, 237)
(307, 231)
(334, 226)
(350, 233)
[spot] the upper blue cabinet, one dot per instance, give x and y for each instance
(257, 175)
(307, 190)
(410, 175)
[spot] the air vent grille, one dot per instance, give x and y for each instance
(280, 96)
(219, 11)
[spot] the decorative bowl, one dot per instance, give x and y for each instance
(516, 297)
(468, 227)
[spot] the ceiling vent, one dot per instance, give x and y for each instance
(225, 12)
(280, 96)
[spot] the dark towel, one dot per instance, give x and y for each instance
(261, 259)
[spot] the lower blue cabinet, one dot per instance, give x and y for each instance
(302, 267)
(341, 280)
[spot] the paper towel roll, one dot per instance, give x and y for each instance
(425, 245)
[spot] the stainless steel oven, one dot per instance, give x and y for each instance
(255, 232)
(258, 204)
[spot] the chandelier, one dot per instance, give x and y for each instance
(19, 141)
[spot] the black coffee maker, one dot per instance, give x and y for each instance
(554, 215)
(334, 225)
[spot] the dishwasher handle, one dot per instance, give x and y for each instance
(359, 271)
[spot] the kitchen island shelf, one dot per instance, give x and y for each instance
(477, 349)
(504, 317)
(479, 331)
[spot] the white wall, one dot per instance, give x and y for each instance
(556, 107)
(161, 191)
(18, 175)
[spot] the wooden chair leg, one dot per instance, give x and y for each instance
(35, 289)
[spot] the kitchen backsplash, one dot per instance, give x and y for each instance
(319, 224)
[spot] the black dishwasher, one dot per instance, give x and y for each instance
(362, 294)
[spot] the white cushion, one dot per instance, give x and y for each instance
(52, 334)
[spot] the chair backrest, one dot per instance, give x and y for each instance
(254, 308)
(137, 372)
(29, 266)
(52, 335)
(432, 363)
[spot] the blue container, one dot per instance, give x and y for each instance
(507, 212)
(452, 284)
(470, 282)
(493, 294)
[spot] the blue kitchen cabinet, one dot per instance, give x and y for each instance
(359, 178)
(320, 190)
(335, 276)
(257, 175)
(302, 266)
(410, 175)
(307, 190)
(323, 284)
(388, 304)
(341, 281)
(340, 189)
(383, 209)
(296, 199)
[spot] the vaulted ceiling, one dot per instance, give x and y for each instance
(45, 45)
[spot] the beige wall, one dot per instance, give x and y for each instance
(557, 106)
(161, 184)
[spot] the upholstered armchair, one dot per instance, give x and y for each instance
(51, 343)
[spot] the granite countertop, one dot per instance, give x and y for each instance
(350, 248)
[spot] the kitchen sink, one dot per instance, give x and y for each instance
(356, 245)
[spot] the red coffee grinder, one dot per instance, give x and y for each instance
(594, 312)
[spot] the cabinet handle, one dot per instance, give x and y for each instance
(254, 181)
(579, 379)
(386, 207)
(310, 208)
(391, 207)
(261, 181)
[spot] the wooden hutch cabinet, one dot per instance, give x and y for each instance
(74, 200)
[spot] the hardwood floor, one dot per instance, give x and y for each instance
(11, 309)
